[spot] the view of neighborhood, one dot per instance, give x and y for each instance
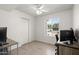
(53, 26)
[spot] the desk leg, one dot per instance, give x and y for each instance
(10, 50)
(17, 48)
(57, 50)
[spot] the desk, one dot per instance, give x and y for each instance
(10, 43)
(67, 49)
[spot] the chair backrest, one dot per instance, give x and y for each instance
(56, 37)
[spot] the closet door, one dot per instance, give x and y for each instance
(25, 31)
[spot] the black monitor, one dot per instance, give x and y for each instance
(66, 35)
(3, 34)
(3, 38)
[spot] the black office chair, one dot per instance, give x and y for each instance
(56, 37)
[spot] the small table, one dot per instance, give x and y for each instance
(10, 44)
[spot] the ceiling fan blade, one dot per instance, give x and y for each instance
(34, 8)
(43, 10)
(41, 7)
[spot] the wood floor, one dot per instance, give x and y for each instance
(35, 48)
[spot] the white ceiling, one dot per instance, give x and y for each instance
(27, 8)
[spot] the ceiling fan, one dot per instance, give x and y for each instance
(39, 8)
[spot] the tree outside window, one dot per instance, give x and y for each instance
(53, 25)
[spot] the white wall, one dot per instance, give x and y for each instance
(76, 16)
(17, 26)
(41, 25)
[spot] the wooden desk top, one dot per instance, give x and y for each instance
(75, 45)
(10, 43)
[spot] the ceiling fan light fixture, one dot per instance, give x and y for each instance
(38, 12)
(39, 9)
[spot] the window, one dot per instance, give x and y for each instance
(53, 26)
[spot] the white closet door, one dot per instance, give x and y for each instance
(24, 32)
(18, 29)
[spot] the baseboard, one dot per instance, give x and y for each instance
(43, 42)
(38, 41)
(27, 43)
